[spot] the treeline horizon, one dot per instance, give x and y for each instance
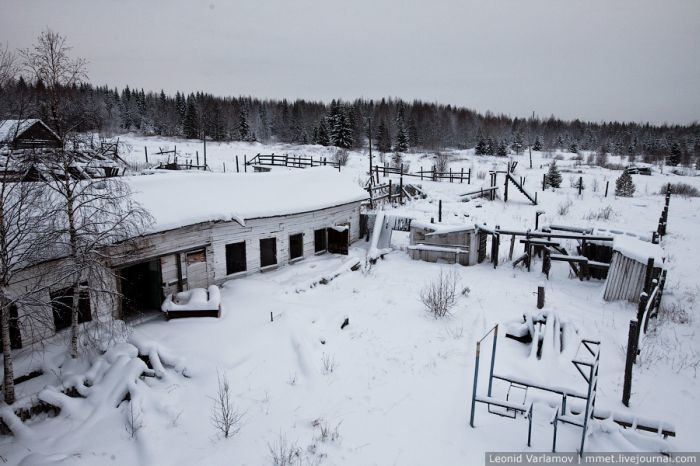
(396, 125)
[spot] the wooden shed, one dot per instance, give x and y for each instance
(634, 264)
(212, 227)
(27, 134)
(443, 243)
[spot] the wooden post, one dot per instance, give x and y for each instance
(237, 169)
(271, 318)
(145, 150)
(440, 210)
(450, 174)
(197, 152)
(607, 184)
(469, 179)
(649, 275)
(224, 167)
(544, 181)
(461, 175)
(580, 184)
(512, 246)
(495, 243)
(245, 164)
(390, 193)
(505, 189)
(401, 189)
(421, 173)
(205, 152)
(540, 296)
(629, 362)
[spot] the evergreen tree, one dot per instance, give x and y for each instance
(573, 147)
(502, 149)
(383, 138)
(480, 148)
(401, 144)
(413, 139)
(190, 126)
(490, 147)
(518, 143)
(341, 130)
(537, 145)
(243, 128)
(553, 177)
(322, 137)
(675, 158)
(624, 186)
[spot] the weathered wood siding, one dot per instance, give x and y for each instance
(626, 278)
(36, 322)
(465, 240)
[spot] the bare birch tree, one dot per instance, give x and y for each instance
(97, 221)
(25, 239)
(50, 62)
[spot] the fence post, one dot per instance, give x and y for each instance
(401, 189)
(145, 150)
(649, 275)
(540, 296)
(197, 152)
(450, 174)
(607, 184)
(245, 164)
(580, 185)
(461, 175)
(237, 168)
(440, 210)
(629, 361)
(390, 194)
(421, 173)
(476, 378)
(469, 180)
(544, 181)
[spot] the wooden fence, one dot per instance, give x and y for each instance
(293, 161)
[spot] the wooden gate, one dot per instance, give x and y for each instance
(196, 262)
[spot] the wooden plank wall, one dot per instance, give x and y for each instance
(625, 280)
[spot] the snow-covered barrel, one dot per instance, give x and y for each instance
(628, 268)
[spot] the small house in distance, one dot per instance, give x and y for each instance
(27, 134)
(443, 243)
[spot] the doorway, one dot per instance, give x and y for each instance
(141, 288)
(339, 239)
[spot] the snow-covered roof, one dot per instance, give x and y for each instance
(177, 199)
(10, 129)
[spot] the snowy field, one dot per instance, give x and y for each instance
(393, 387)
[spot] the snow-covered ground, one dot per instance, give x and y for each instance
(395, 384)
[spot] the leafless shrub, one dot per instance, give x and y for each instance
(328, 362)
(681, 189)
(134, 420)
(341, 157)
(225, 417)
(283, 453)
(440, 295)
(603, 213)
(563, 208)
(327, 433)
(442, 162)
(673, 312)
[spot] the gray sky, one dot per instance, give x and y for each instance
(591, 59)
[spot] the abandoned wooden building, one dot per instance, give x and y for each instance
(431, 242)
(27, 134)
(212, 227)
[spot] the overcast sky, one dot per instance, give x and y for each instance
(591, 59)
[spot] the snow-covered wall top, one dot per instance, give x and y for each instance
(638, 250)
(182, 198)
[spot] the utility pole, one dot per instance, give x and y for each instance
(529, 138)
(369, 135)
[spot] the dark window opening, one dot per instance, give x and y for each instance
(141, 288)
(338, 239)
(268, 252)
(235, 258)
(62, 303)
(296, 246)
(320, 240)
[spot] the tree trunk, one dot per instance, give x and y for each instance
(8, 383)
(73, 240)
(75, 308)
